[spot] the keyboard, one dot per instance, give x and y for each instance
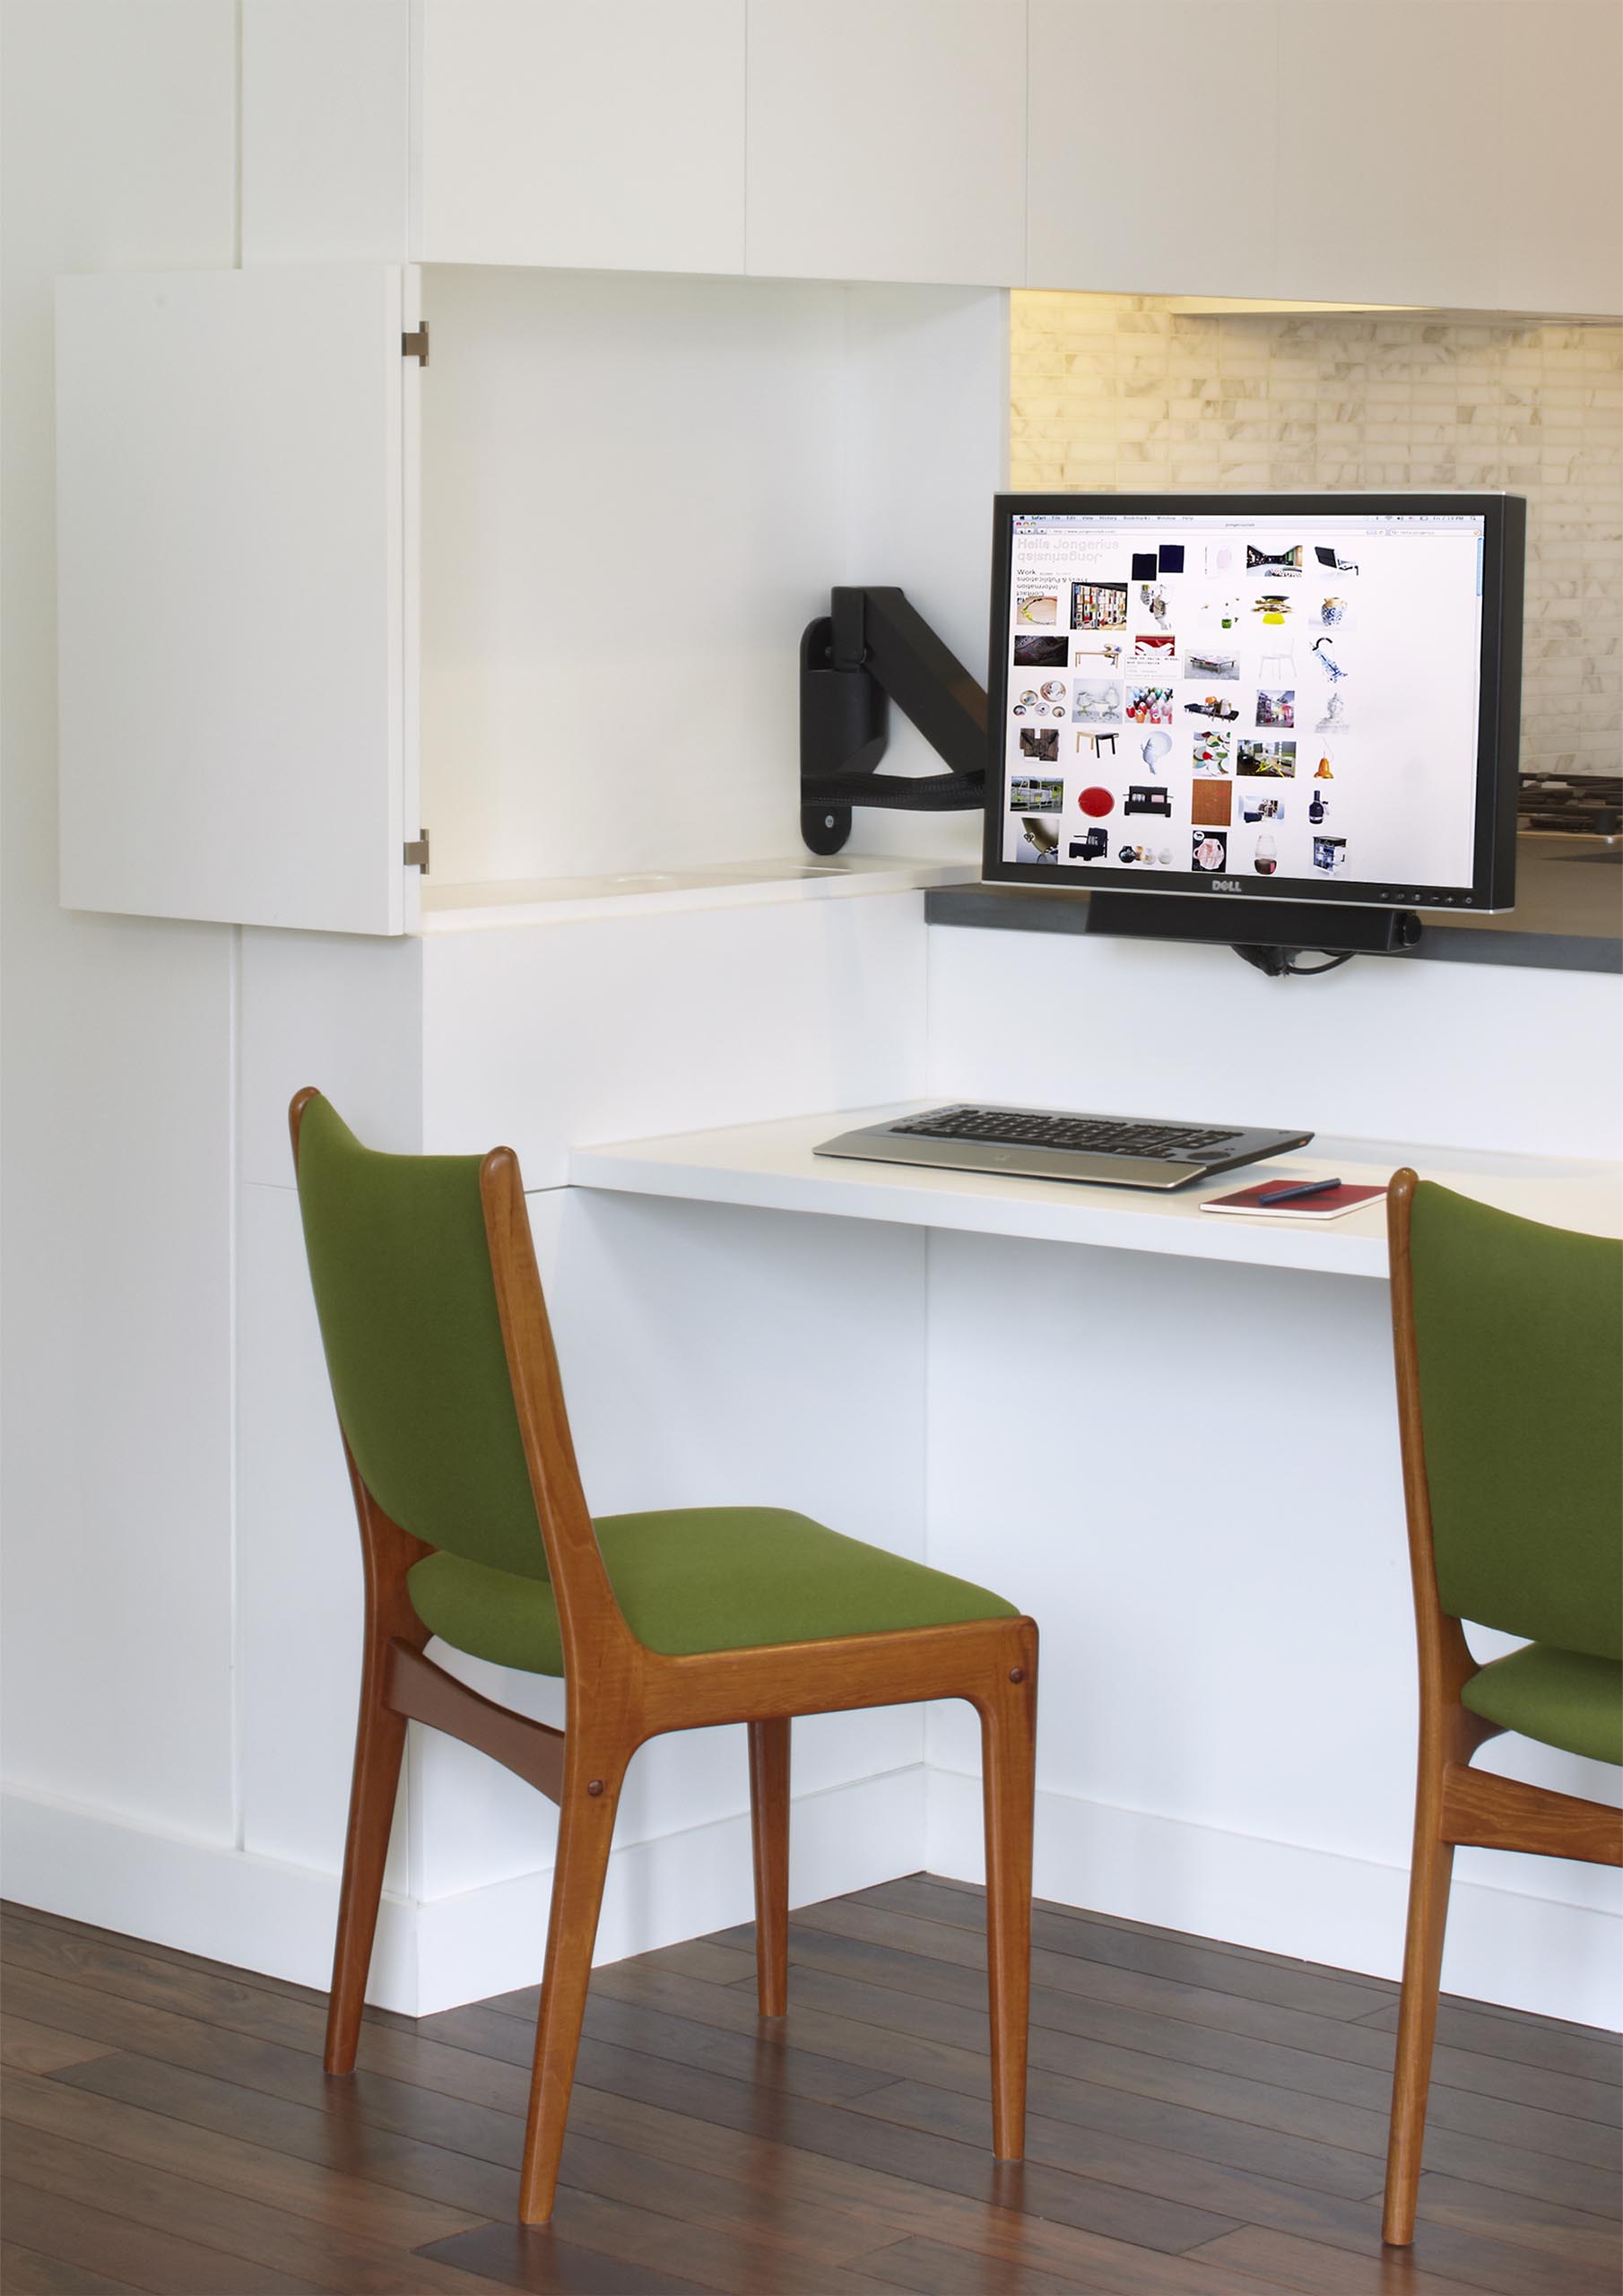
(1054, 1144)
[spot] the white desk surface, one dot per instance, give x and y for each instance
(772, 1167)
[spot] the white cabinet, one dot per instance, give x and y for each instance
(1459, 154)
(1561, 157)
(1151, 168)
(603, 138)
(1462, 154)
(236, 550)
(887, 140)
(635, 492)
(1386, 152)
(325, 130)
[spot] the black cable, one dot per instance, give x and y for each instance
(1279, 964)
(1310, 972)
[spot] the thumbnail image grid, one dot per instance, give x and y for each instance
(1183, 705)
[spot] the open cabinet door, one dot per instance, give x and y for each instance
(236, 491)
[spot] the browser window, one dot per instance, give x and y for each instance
(1245, 696)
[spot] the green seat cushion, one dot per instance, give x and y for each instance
(694, 1579)
(1565, 1698)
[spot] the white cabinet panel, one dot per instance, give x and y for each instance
(1383, 154)
(1165, 191)
(888, 140)
(1561, 157)
(235, 641)
(325, 130)
(607, 138)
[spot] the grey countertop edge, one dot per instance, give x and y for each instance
(1010, 908)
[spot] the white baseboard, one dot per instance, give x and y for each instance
(207, 1898)
(1524, 1953)
(1539, 1953)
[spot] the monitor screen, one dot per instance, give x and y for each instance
(1274, 696)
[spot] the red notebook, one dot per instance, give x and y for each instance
(1328, 1206)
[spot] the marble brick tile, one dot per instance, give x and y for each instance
(1116, 390)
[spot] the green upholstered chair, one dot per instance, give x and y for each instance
(475, 1528)
(1509, 1343)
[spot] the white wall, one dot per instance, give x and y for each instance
(118, 1119)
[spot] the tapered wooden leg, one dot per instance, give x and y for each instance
(770, 1825)
(379, 1743)
(1009, 1775)
(585, 1831)
(1428, 1883)
(387, 1553)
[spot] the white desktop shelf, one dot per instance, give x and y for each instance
(771, 1167)
(721, 884)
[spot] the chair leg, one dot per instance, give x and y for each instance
(1430, 1875)
(380, 1745)
(770, 1826)
(585, 1831)
(1009, 1786)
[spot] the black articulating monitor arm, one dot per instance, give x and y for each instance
(869, 645)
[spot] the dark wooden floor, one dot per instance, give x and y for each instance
(1206, 2121)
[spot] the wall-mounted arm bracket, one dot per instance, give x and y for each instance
(872, 644)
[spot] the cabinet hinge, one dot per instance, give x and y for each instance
(414, 853)
(414, 344)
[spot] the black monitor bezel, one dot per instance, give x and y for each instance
(1498, 725)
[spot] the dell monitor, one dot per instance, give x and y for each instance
(1268, 698)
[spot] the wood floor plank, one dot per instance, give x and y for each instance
(518, 2255)
(1063, 2069)
(1575, 2050)
(1277, 2206)
(676, 2253)
(1061, 1991)
(1573, 2233)
(125, 2131)
(1199, 2026)
(605, 2171)
(1088, 1914)
(1290, 1984)
(29, 2047)
(322, 2128)
(1183, 1967)
(237, 2226)
(81, 2236)
(758, 2055)
(1207, 2119)
(935, 2269)
(1303, 2266)
(1441, 2263)
(1261, 2149)
(225, 2001)
(13, 1914)
(1118, 2042)
(24, 2272)
(1250, 2193)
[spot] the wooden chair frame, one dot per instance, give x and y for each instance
(1455, 1807)
(618, 1695)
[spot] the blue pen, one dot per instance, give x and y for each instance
(1302, 1187)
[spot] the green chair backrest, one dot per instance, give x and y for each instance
(401, 1269)
(1519, 1330)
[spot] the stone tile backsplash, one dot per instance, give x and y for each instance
(1125, 392)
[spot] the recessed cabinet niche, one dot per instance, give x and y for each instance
(540, 597)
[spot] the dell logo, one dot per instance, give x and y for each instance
(1227, 885)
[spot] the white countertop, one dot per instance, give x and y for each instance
(772, 1167)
